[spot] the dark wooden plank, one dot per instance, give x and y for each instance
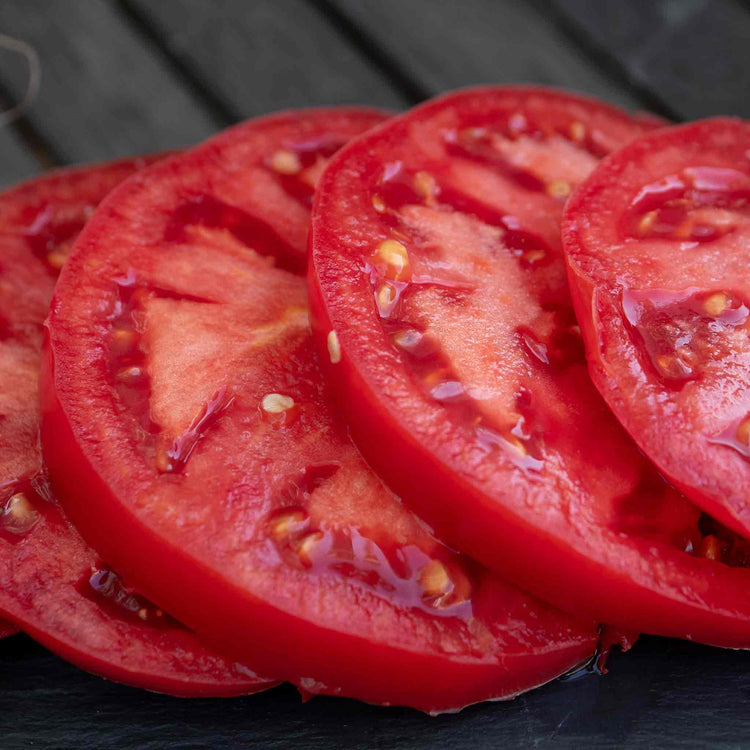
(446, 44)
(663, 694)
(690, 54)
(105, 91)
(265, 55)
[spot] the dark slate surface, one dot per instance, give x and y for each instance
(16, 160)
(446, 44)
(693, 55)
(663, 694)
(128, 75)
(105, 91)
(265, 55)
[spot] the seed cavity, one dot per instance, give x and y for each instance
(287, 522)
(558, 189)
(57, 259)
(306, 547)
(276, 403)
(716, 304)
(19, 515)
(425, 185)
(334, 348)
(378, 204)
(123, 340)
(532, 257)
(443, 587)
(517, 444)
(646, 223)
(131, 375)
(743, 432)
(106, 585)
(710, 548)
(673, 367)
(577, 131)
(395, 256)
(386, 296)
(408, 339)
(434, 579)
(285, 162)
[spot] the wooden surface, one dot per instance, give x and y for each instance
(143, 75)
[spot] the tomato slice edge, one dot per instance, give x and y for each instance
(64, 613)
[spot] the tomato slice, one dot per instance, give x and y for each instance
(437, 271)
(53, 585)
(183, 393)
(7, 628)
(662, 289)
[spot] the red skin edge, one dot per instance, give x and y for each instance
(182, 688)
(419, 475)
(7, 628)
(401, 675)
(133, 678)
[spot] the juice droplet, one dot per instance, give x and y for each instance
(177, 455)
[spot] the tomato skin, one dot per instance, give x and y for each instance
(599, 570)
(319, 658)
(660, 419)
(7, 629)
(45, 567)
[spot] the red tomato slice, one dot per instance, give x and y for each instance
(437, 272)
(53, 585)
(661, 281)
(182, 392)
(7, 628)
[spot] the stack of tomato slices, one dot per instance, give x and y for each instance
(202, 418)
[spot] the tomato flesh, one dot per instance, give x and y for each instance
(663, 291)
(53, 585)
(437, 269)
(183, 392)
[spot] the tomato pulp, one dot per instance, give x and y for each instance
(662, 288)
(51, 584)
(182, 391)
(441, 307)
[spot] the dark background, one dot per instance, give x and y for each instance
(131, 76)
